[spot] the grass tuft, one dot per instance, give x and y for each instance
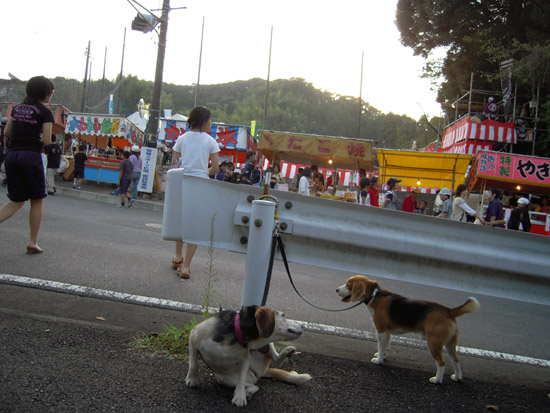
(172, 342)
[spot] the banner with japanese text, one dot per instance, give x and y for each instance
(507, 166)
(230, 137)
(104, 125)
(316, 145)
(148, 166)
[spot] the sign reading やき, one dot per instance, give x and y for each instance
(508, 166)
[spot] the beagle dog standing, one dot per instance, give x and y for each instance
(238, 347)
(395, 314)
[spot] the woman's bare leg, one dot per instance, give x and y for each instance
(35, 218)
(8, 209)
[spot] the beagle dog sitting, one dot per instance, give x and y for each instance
(395, 314)
(238, 347)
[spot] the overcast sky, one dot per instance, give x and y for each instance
(319, 41)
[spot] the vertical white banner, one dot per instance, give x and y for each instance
(149, 164)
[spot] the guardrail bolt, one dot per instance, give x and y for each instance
(244, 240)
(283, 226)
(245, 219)
(250, 198)
(288, 204)
(258, 222)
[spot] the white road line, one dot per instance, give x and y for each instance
(199, 309)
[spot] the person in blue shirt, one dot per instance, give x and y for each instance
(495, 211)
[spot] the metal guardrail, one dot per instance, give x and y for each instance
(365, 240)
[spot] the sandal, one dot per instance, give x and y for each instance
(34, 250)
(176, 264)
(183, 275)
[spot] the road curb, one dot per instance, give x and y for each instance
(108, 199)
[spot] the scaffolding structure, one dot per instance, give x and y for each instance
(513, 107)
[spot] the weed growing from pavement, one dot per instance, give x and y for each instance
(172, 341)
(210, 280)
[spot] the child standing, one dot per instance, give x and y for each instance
(79, 164)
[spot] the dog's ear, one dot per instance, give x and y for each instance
(265, 321)
(358, 289)
(373, 285)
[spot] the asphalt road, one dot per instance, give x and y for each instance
(97, 245)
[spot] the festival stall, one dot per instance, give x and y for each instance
(102, 131)
(234, 141)
(426, 171)
(338, 157)
(469, 135)
(513, 173)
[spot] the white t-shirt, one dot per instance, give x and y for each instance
(304, 186)
(195, 149)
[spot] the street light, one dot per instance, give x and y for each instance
(144, 23)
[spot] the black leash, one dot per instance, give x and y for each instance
(277, 240)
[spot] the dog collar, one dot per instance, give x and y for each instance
(238, 331)
(376, 291)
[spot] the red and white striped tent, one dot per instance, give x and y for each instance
(468, 136)
(346, 177)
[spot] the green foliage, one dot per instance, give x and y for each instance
(171, 342)
(294, 106)
(477, 36)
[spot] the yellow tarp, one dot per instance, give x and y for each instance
(432, 169)
(346, 153)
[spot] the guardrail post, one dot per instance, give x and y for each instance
(260, 237)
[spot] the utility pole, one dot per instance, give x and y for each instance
(200, 60)
(87, 53)
(121, 79)
(264, 126)
(157, 88)
(360, 98)
(103, 81)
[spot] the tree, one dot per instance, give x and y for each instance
(464, 28)
(294, 106)
(477, 36)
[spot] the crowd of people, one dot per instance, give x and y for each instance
(457, 209)
(446, 206)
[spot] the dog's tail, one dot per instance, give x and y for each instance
(470, 306)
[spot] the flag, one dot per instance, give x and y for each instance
(253, 128)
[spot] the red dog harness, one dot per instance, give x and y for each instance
(238, 331)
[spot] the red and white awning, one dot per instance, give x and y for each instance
(487, 131)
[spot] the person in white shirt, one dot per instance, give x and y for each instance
(194, 148)
(304, 184)
(461, 208)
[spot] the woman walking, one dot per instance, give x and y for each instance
(28, 130)
(196, 147)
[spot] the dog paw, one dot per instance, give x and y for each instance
(435, 380)
(455, 377)
(288, 351)
(303, 378)
(239, 400)
(191, 382)
(377, 360)
(250, 390)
